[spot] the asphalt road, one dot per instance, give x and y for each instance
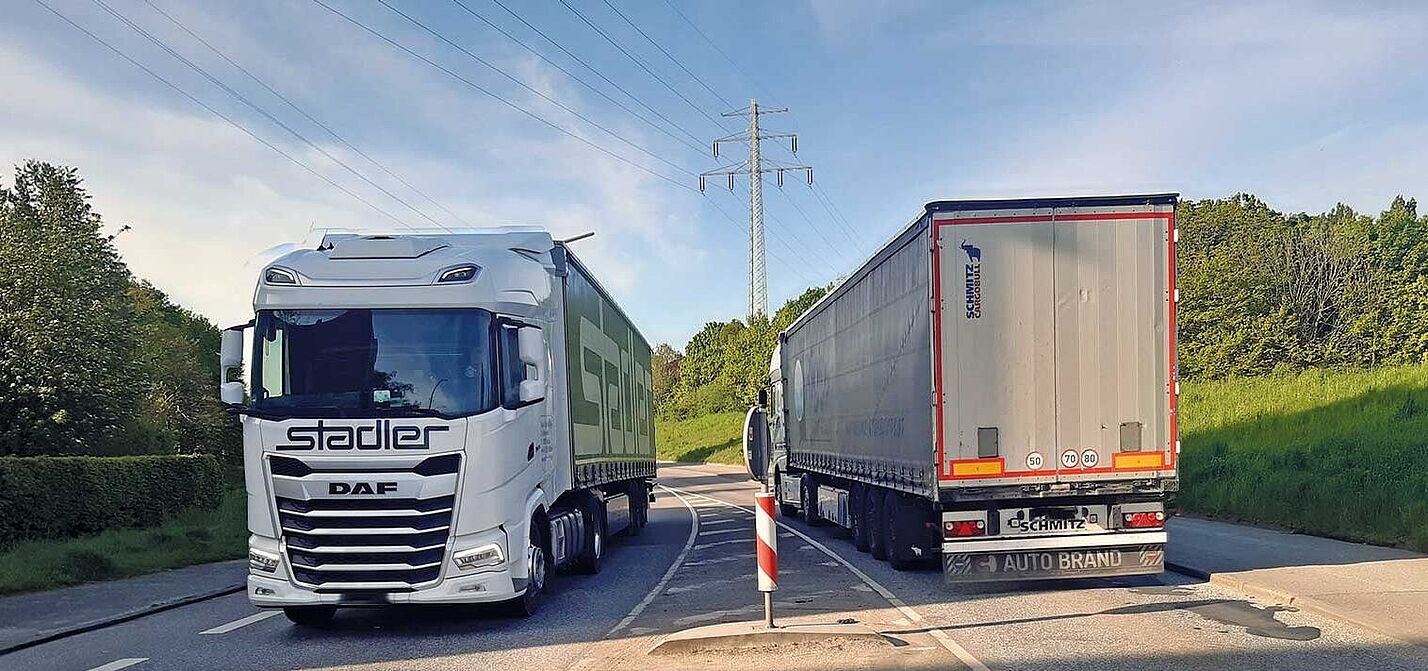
(679, 575)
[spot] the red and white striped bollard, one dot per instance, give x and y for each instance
(766, 538)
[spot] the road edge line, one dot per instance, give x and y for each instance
(125, 617)
(942, 637)
(669, 573)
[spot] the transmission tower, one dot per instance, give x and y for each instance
(755, 167)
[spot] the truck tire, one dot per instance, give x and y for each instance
(528, 603)
(873, 511)
(857, 520)
(639, 507)
(310, 616)
(899, 519)
(809, 500)
(594, 551)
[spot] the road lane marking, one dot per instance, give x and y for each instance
(720, 560)
(720, 532)
(120, 664)
(726, 520)
(728, 542)
(952, 646)
(673, 567)
(240, 623)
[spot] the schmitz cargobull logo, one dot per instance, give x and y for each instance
(974, 280)
(382, 434)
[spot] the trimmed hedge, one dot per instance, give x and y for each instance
(60, 497)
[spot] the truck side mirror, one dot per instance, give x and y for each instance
(230, 359)
(756, 443)
(763, 398)
(531, 343)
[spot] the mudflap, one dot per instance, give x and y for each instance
(1056, 564)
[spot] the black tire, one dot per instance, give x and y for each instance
(858, 528)
(594, 553)
(639, 508)
(873, 510)
(310, 616)
(808, 496)
(899, 518)
(538, 554)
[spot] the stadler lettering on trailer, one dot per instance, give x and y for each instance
(381, 435)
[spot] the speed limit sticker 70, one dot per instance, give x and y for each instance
(1070, 459)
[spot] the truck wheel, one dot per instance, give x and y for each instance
(873, 514)
(809, 494)
(858, 524)
(594, 551)
(310, 616)
(526, 604)
(899, 517)
(639, 508)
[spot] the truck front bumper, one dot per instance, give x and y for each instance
(484, 587)
(1054, 557)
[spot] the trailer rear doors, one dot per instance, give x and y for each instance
(1053, 349)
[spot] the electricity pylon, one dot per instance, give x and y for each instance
(755, 167)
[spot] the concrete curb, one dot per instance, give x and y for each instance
(126, 616)
(1307, 604)
(737, 635)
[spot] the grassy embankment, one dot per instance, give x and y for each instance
(1341, 454)
(193, 537)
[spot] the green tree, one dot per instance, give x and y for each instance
(67, 382)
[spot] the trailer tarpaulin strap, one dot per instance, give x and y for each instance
(767, 539)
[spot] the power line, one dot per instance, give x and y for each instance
(668, 55)
(304, 113)
(534, 91)
(816, 229)
(573, 76)
(640, 63)
(219, 114)
(502, 100)
(599, 74)
(241, 98)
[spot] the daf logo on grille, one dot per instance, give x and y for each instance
(340, 488)
(380, 435)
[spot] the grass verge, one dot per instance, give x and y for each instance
(1341, 454)
(713, 438)
(194, 536)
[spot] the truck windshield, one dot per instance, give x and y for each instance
(312, 363)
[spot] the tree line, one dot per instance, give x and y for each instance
(93, 360)
(1261, 293)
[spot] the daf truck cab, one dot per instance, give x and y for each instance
(435, 418)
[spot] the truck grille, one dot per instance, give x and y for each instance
(365, 543)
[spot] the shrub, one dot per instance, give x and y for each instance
(60, 497)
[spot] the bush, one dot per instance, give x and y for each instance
(60, 497)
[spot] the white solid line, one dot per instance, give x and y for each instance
(237, 624)
(701, 546)
(120, 664)
(673, 567)
(941, 636)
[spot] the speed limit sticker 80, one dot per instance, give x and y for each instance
(1085, 458)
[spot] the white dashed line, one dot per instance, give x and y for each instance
(238, 624)
(717, 532)
(729, 542)
(120, 664)
(912, 615)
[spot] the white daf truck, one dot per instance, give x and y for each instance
(994, 388)
(436, 418)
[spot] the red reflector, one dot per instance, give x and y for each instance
(1143, 520)
(957, 528)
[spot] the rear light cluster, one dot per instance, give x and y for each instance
(1153, 520)
(962, 528)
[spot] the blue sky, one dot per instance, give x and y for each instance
(896, 103)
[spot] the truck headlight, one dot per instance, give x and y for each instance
(489, 554)
(262, 561)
